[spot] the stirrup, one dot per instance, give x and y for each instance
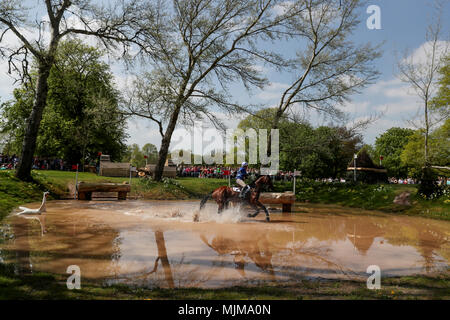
(244, 192)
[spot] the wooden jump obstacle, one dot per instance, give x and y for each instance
(286, 199)
(85, 190)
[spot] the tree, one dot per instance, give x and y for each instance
(317, 152)
(111, 25)
(198, 48)
(390, 145)
(151, 152)
(439, 149)
(82, 115)
(422, 76)
(331, 67)
(135, 155)
(442, 98)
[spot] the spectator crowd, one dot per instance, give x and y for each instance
(8, 162)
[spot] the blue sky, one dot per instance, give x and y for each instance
(403, 23)
(403, 27)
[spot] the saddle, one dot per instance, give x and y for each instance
(237, 188)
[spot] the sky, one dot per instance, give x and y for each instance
(403, 27)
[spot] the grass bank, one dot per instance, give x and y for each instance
(370, 197)
(14, 192)
(48, 286)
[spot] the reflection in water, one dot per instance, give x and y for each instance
(145, 243)
(257, 251)
(162, 255)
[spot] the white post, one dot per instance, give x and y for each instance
(130, 175)
(76, 185)
(295, 176)
(354, 167)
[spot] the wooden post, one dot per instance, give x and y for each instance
(122, 195)
(286, 199)
(130, 174)
(76, 184)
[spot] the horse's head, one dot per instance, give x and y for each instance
(264, 182)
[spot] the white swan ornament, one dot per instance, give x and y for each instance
(41, 209)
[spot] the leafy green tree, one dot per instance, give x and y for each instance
(317, 152)
(136, 156)
(13, 119)
(151, 152)
(390, 145)
(422, 75)
(82, 115)
(116, 23)
(442, 98)
(439, 149)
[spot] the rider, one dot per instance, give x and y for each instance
(241, 175)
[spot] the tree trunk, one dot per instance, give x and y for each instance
(275, 125)
(29, 142)
(427, 129)
(165, 143)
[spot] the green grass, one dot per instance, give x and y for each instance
(370, 197)
(180, 188)
(14, 192)
(48, 286)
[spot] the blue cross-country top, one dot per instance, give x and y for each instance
(242, 173)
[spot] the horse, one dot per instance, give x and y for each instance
(224, 195)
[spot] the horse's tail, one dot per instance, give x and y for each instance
(205, 198)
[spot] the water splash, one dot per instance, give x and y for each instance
(209, 214)
(185, 213)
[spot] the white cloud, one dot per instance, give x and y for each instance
(273, 91)
(142, 131)
(423, 54)
(356, 107)
(6, 82)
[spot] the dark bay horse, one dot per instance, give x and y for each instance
(224, 195)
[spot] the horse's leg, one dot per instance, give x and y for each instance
(254, 206)
(265, 210)
(258, 205)
(221, 205)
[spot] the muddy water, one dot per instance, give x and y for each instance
(157, 244)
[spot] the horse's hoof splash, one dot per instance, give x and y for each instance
(196, 217)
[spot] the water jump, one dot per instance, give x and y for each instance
(246, 194)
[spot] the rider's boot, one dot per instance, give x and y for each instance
(244, 192)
